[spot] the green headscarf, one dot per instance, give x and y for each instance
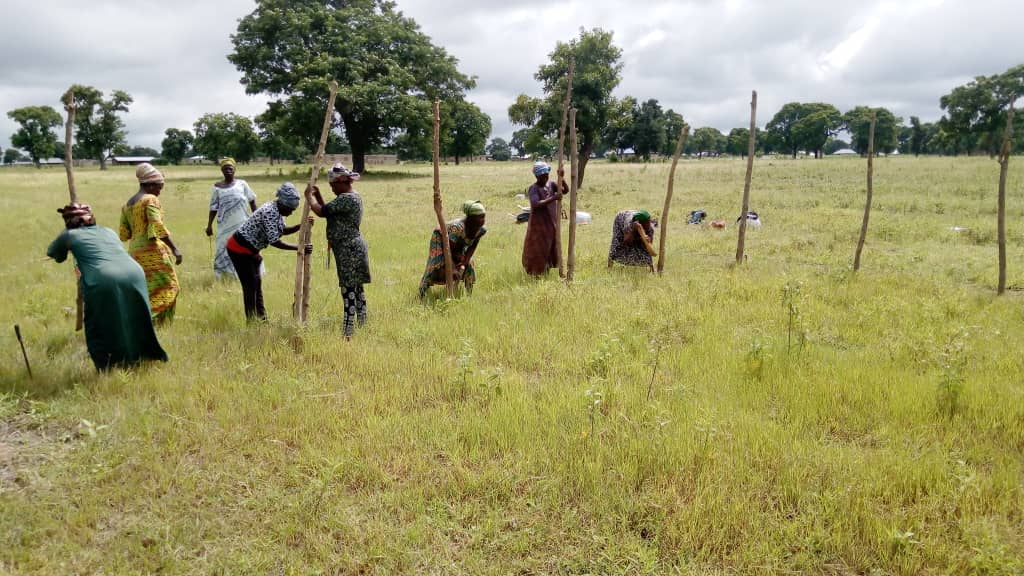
(642, 216)
(473, 208)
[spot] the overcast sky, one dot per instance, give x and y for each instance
(698, 57)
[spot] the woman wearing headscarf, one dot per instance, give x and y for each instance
(231, 202)
(118, 327)
(632, 239)
(540, 252)
(149, 242)
(344, 214)
(264, 228)
(464, 236)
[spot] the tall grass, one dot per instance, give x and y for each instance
(782, 416)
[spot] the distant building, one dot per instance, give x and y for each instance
(844, 152)
(198, 159)
(130, 160)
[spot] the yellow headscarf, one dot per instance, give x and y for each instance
(227, 161)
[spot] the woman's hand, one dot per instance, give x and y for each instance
(177, 258)
(308, 248)
(209, 230)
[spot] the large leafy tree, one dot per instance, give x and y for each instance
(738, 142)
(618, 130)
(707, 140)
(385, 66)
(466, 129)
(35, 134)
(596, 75)
(858, 122)
(176, 145)
(499, 150)
(779, 130)
(673, 125)
(219, 135)
(98, 127)
(976, 112)
(12, 155)
(817, 123)
(648, 129)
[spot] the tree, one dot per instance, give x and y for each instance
(618, 131)
(518, 141)
(35, 134)
(834, 144)
(499, 150)
(707, 140)
(648, 129)
(219, 135)
(466, 129)
(779, 129)
(858, 121)
(176, 145)
(141, 151)
(383, 62)
(673, 126)
(816, 124)
(596, 75)
(98, 128)
(12, 155)
(917, 136)
(976, 112)
(738, 141)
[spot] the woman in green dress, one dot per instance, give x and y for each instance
(118, 326)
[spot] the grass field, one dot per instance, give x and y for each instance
(785, 416)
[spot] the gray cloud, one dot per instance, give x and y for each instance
(698, 57)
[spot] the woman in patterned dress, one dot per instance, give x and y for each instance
(150, 244)
(231, 202)
(344, 214)
(464, 236)
(630, 229)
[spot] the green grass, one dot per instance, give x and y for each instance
(852, 424)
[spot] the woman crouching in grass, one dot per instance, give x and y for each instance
(118, 324)
(632, 239)
(464, 236)
(264, 228)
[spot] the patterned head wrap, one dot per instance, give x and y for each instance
(642, 216)
(473, 208)
(227, 161)
(147, 174)
(288, 195)
(338, 171)
(73, 213)
(541, 168)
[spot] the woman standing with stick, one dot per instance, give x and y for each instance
(344, 214)
(232, 201)
(149, 242)
(540, 249)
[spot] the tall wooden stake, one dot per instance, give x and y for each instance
(573, 168)
(439, 208)
(746, 182)
(683, 133)
(561, 180)
(867, 202)
(69, 106)
(1004, 168)
(300, 301)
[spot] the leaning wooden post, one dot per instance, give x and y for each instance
(1004, 168)
(574, 165)
(69, 106)
(867, 203)
(561, 180)
(746, 182)
(439, 208)
(683, 133)
(300, 301)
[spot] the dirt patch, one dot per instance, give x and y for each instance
(23, 447)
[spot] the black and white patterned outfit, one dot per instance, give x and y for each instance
(344, 214)
(629, 254)
(264, 227)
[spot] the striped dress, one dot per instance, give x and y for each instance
(142, 226)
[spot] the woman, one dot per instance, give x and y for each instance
(264, 228)
(540, 252)
(231, 202)
(118, 327)
(463, 237)
(142, 224)
(632, 239)
(344, 214)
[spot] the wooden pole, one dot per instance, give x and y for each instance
(69, 168)
(746, 182)
(574, 165)
(867, 202)
(1004, 168)
(300, 301)
(17, 332)
(439, 208)
(561, 155)
(683, 133)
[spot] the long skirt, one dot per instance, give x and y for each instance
(118, 327)
(157, 261)
(540, 251)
